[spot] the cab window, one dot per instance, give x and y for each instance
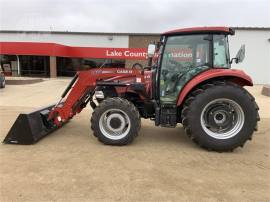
(221, 51)
(183, 57)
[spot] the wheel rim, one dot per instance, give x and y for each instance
(222, 118)
(114, 124)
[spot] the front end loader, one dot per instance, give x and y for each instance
(31, 127)
(188, 80)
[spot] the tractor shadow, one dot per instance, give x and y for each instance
(151, 134)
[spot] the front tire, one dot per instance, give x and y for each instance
(115, 121)
(220, 116)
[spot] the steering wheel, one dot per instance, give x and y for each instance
(137, 66)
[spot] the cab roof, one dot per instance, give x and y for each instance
(200, 30)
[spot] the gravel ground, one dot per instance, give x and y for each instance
(160, 165)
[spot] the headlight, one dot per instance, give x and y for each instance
(99, 94)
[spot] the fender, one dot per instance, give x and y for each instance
(234, 75)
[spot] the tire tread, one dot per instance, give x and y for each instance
(203, 89)
(115, 101)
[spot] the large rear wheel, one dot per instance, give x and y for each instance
(220, 116)
(115, 121)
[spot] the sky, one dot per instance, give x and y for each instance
(153, 16)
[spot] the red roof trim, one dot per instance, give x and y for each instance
(53, 49)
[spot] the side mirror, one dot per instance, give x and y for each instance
(151, 50)
(240, 56)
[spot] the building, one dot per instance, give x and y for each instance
(62, 53)
(51, 54)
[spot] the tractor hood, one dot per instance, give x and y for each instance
(117, 76)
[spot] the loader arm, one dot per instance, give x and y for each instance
(81, 89)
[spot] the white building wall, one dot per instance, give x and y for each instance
(82, 40)
(257, 59)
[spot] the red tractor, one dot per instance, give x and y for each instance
(188, 80)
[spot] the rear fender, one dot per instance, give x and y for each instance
(237, 76)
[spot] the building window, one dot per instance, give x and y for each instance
(69, 66)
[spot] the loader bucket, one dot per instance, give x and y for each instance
(31, 127)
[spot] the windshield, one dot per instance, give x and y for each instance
(186, 51)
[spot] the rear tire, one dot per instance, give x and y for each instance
(115, 121)
(220, 116)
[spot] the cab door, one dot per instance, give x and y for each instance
(184, 56)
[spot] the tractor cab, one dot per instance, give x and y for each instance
(182, 54)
